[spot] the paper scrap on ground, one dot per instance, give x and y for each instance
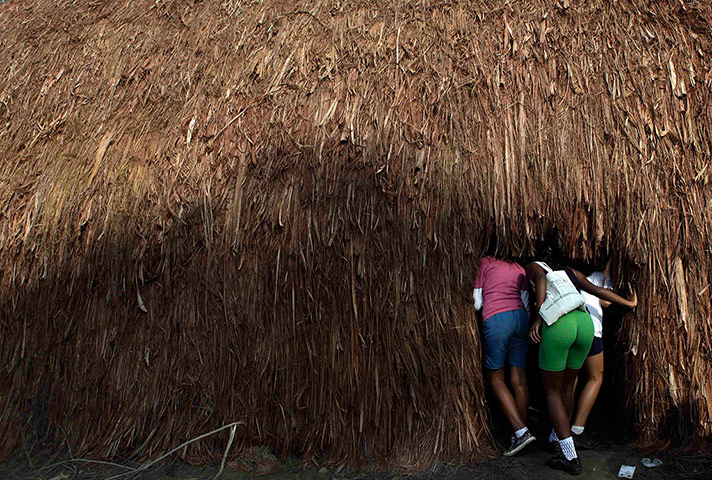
(655, 462)
(626, 471)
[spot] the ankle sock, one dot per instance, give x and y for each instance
(553, 437)
(568, 448)
(576, 430)
(521, 432)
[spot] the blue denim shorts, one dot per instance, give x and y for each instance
(506, 335)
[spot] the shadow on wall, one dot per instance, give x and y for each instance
(327, 312)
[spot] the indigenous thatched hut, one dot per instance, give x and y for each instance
(270, 212)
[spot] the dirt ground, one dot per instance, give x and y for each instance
(602, 463)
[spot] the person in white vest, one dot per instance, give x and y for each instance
(565, 330)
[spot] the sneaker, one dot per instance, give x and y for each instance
(559, 462)
(553, 447)
(583, 441)
(519, 443)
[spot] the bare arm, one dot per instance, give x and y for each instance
(606, 284)
(537, 276)
(604, 293)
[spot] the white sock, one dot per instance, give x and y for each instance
(567, 448)
(576, 430)
(521, 432)
(553, 437)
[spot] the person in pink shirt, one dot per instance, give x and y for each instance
(502, 293)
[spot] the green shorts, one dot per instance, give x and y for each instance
(566, 343)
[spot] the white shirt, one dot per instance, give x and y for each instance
(593, 304)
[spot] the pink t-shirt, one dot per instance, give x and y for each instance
(502, 285)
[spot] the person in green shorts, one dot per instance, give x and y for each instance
(563, 350)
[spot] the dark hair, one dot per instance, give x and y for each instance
(598, 262)
(587, 268)
(496, 250)
(548, 249)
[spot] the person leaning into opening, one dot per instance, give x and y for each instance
(565, 343)
(593, 366)
(502, 294)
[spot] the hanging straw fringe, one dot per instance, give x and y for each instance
(272, 212)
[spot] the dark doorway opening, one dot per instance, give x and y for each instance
(609, 422)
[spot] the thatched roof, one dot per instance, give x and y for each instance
(271, 212)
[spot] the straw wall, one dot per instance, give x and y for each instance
(271, 212)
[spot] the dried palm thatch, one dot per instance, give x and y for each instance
(270, 212)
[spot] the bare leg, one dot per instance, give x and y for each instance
(553, 384)
(520, 388)
(496, 380)
(567, 391)
(594, 372)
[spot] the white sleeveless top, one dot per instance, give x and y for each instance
(593, 304)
